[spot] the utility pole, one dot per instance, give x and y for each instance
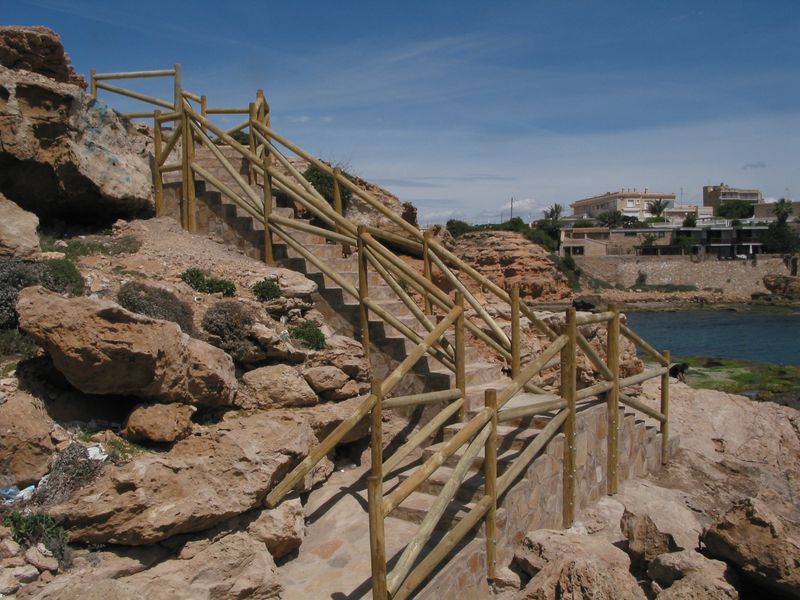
(512, 207)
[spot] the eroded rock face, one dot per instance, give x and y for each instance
(507, 258)
(278, 386)
(160, 423)
(65, 155)
(203, 481)
(568, 565)
(689, 574)
(236, 566)
(17, 230)
(37, 49)
(785, 286)
(750, 536)
(101, 348)
(25, 443)
(280, 528)
(325, 379)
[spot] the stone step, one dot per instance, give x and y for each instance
(472, 487)
(477, 373)
(503, 456)
(418, 505)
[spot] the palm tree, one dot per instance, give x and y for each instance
(657, 207)
(611, 219)
(553, 214)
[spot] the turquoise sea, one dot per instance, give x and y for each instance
(768, 335)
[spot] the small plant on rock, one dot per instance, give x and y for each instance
(157, 303)
(266, 290)
(309, 334)
(15, 342)
(198, 280)
(230, 322)
(30, 529)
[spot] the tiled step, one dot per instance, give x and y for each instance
(418, 505)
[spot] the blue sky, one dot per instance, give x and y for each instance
(460, 106)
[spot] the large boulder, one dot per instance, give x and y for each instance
(160, 423)
(203, 481)
(101, 348)
(17, 230)
(688, 574)
(277, 386)
(236, 566)
(751, 537)
(569, 565)
(66, 155)
(26, 446)
(37, 49)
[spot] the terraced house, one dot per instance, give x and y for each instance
(629, 201)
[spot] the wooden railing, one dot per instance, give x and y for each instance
(269, 169)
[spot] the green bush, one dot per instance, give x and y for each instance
(641, 280)
(30, 529)
(570, 269)
(323, 183)
(735, 209)
(198, 280)
(309, 335)
(267, 289)
(126, 244)
(58, 275)
(230, 322)
(157, 303)
(15, 342)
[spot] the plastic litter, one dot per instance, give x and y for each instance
(9, 492)
(95, 452)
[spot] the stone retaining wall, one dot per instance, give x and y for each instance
(535, 501)
(731, 276)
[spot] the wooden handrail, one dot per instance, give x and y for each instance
(134, 74)
(134, 95)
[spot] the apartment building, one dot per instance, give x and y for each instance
(629, 201)
(715, 195)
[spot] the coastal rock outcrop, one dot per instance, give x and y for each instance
(66, 155)
(751, 537)
(101, 348)
(568, 565)
(507, 258)
(204, 480)
(17, 230)
(26, 445)
(236, 566)
(37, 49)
(784, 286)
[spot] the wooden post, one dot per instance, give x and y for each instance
(203, 111)
(363, 289)
(93, 83)
(490, 476)
(427, 272)
(338, 206)
(268, 257)
(665, 411)
(251, 172)
(612, 400)
(157, 183)
(178, 90)
(568, 375)
(377, 542)
(461, 375)
(515, 337)
(189, 216)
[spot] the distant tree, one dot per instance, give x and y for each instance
(779, 237)
(551, 224)
(690, 220)
(611, 219)
(458, 228)
(583, 223)
(736, 209)
(657, 207)
(648, 240)
(554, 213)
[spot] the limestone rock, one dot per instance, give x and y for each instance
(25, 574)
(345, 354)
(66, 155)
(783, 285)
(37, 556)
(278, 386)
(751, 537)
(160, 423)
(8, 583)
(325, 379)
(17, 230)
(9, 549)
(234, 567)
(507, 258)
(568, 565)
(203, 480)
(280, 528)
(101, 348)
(695, 573)
(324, 418)
(37, 49)
(25, 442)
(655, 521)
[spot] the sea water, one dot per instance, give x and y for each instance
(767, 335)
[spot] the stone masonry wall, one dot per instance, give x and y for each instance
(535, 501)
(731, 276)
